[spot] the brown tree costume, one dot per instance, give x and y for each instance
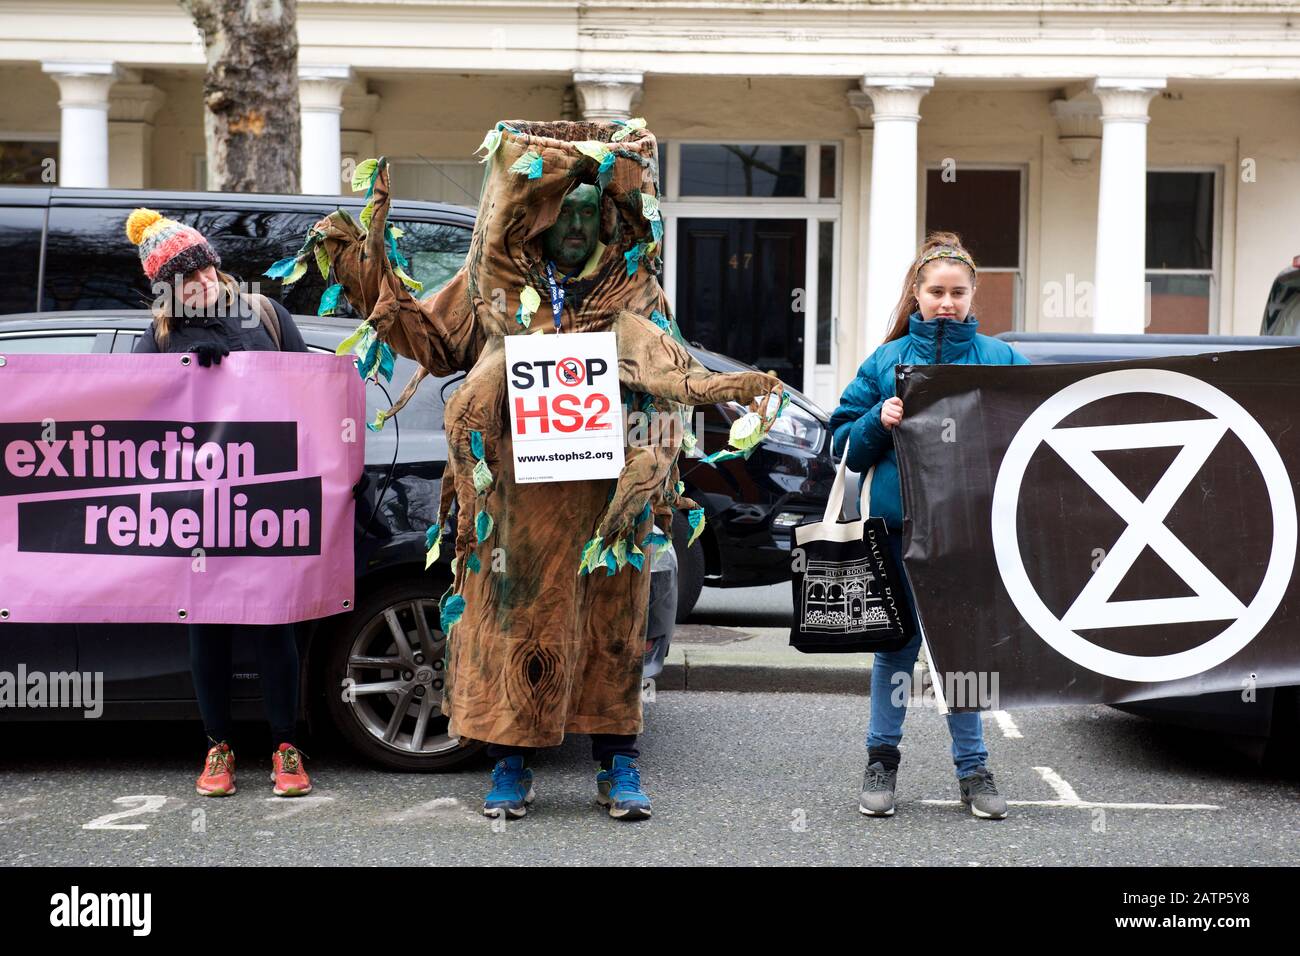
(553, 642)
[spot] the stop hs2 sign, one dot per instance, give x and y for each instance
(566, 416)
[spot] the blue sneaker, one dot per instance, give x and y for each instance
(619, 788)
(512, 789)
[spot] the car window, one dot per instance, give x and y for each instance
(436, 251)
(423, 413)
(20, 257)
(90, 263)
(39, 344)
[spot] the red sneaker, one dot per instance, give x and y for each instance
(287, 772)
(218, 777)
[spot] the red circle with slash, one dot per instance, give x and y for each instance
(570, 371)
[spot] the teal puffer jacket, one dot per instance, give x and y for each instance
(857, 420)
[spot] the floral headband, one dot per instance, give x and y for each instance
(947, 252)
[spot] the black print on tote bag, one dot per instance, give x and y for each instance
(848, 597)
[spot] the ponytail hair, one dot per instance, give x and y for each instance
(948, 246)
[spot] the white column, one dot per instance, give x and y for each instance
(1119, 302)
(320, 98)
(607, 96)
(83, 113)
(891, 240)
(130, 134)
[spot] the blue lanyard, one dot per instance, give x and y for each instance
(557, 295)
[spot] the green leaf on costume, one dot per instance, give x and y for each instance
(626, 128)
(632, 258)
(747, 431)
(363, 174)
(635, 556)
(323, 261)
(482, 477)
(367, 213)
(476, 444)
(589, 557)
(490, 143)
(530, 300)
(473, 563)
(378, 423)
(592, 149)
(329, 300)
(281, 267)
(695, 517)
(655, 538)
(650, 206)
(483, 526)
(298, 271)
(350, 342)
(452, 611)
(529, 164)
(413, 284)
(433, 544)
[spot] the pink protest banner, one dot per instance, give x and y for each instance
(146, 488)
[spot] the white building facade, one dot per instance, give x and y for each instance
(1114, 166)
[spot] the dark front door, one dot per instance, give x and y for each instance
(740, 290)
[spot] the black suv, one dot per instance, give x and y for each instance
(66, 249)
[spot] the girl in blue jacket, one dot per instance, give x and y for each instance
(932, 325)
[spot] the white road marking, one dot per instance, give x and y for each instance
(295, 805)
(444, 809)
(1066, 797)
(1053, 779)
(1088, 805)
(148, 804)
(1008, 726)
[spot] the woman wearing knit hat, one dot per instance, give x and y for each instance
(199, 309)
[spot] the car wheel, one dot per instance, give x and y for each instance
(383, 678)
(690, 567)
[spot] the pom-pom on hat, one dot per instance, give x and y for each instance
(167, 247)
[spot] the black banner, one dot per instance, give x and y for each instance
(1104, 532)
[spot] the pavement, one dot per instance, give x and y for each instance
(751, 651)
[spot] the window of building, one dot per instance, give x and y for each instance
(986, 208)
(28, 161)
(1181, 254)
(751, 249)
(451, 181)
(789, 171)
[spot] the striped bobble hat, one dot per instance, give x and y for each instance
(167, 247)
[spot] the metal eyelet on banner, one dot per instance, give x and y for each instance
(185, 360)
(347, 605)
(182, 614)
(3, 361)
(4, 613)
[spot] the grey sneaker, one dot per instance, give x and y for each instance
(979, 793)
(877, 797)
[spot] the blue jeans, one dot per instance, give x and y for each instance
(967, 730)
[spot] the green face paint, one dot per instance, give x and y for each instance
(569, 243)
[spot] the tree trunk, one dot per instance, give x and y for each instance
(251, 120)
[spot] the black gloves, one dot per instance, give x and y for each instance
(207, 353)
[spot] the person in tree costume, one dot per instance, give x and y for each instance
(568, 239)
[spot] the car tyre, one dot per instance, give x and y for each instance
(690, 567)
(389, 709)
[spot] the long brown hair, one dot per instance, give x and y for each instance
(165, 305)
(907, 303)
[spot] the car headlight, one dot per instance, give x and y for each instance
(794, 427)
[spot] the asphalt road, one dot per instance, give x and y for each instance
(736, 778)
